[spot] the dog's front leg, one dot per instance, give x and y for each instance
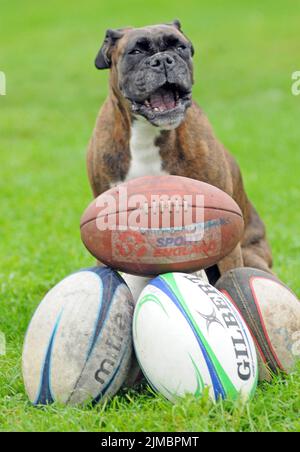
(233, 260)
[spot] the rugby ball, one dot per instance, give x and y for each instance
(272, 313)
(136, 285)
(78, 346)
(158, 224)
(188, 336)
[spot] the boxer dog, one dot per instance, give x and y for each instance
(150, 125)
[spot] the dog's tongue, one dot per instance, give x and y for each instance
(163, 99)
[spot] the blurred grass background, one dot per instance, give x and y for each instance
(245, 55)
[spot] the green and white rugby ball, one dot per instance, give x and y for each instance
(188, 336)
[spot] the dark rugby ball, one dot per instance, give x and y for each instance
(272, 313)
(160, 224)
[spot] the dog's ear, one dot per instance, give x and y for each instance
(103, 59)
(176, 23)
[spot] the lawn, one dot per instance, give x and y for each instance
(245, 55)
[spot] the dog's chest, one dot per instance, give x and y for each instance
(145, 157)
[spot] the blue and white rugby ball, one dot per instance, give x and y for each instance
(78, 346)
(188, 336)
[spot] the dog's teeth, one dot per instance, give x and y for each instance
(156, 109)
(177, 95)
(147, 103)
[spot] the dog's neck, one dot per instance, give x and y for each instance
(145, 156)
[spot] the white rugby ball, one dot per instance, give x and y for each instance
(78, 346)
(136, 285)
(188, 336)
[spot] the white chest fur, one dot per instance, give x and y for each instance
(145, 158)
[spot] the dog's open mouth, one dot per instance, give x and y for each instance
(165, 99)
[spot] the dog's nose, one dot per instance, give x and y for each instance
(162, 61)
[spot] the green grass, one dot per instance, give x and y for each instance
(245, 54)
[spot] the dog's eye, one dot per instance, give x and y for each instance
(135, 52)
(181, 47)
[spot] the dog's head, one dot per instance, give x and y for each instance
(152, 68)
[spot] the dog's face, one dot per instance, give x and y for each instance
(153, 69)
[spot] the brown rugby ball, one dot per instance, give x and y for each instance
(158, 224)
